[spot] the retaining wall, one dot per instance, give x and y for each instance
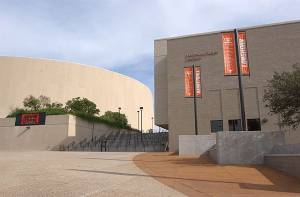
(249, 147)
(289, 163)
(195, 145)
(58, 130)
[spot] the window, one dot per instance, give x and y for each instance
(216, 125)
(253, 124)
(235, 125)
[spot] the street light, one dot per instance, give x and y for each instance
(152, 124)
(138, 112)
(141, 109)
(120, 121)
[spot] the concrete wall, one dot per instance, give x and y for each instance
(40, 137)
(61, 81)
(286, 149)
(270, 48)
(289, 163)
(161, 84)
(195, 145)
(249, 147)
(59, 129)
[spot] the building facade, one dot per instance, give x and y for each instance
(270, 48)
(62, 81)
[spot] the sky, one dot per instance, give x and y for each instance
(119, 34)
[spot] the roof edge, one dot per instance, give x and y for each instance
(80, 64)
(225, 30)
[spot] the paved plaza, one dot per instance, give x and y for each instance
(201, 177)
(47, 173)
(76, 174)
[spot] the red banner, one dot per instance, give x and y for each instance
(243, 54)
(188, 81)
(230, 67)
(198, 81)
(30, 119)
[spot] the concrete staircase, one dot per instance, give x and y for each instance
(121, 141)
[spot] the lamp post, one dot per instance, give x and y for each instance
(138, 115)
(141, 109)
(152, 123)
(119, 108)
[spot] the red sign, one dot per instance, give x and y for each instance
(243, 54)
(30, 119)
(188, 80)
(230, 67)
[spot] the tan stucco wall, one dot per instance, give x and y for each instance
(39, 137)
(61, 81)
(58, 130)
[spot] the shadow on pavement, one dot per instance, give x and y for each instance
(277, 186)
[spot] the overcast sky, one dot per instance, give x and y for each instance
(118, 34)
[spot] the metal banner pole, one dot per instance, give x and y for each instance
(195, 101)
(243, 116)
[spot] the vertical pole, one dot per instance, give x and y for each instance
(138, 112)
(152, 124)
(195, 101)
(136, 135)
(142, 124)
(141, 109)
(237, 52)
(119, 114)
(93, 132)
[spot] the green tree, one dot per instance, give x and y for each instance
(116, 118)
(283, 96)
(82, 105)
(40, 104)
(31, 103)
(45, 101)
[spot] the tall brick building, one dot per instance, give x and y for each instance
(270, 48)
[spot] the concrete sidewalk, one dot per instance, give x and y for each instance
(201, 177)
(76, 174)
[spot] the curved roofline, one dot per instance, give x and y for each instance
(83, 65)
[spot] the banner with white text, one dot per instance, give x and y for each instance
(230, 67)
(243, 53)
(189, 83)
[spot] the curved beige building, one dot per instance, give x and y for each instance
(61, 81)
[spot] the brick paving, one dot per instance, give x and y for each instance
(201, 177)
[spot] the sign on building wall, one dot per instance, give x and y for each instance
(188, 80)
(243, 54)
(230, 66)
(30, 119)
(198, 81)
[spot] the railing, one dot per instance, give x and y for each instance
(121, 142)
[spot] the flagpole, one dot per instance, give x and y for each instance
(195, 101)
(243, 116)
